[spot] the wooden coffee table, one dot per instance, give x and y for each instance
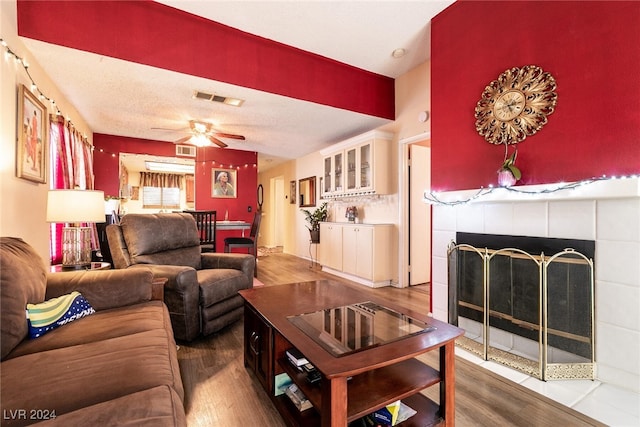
(353, 384)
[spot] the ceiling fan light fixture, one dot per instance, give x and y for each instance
(199, 127)
(200, 140)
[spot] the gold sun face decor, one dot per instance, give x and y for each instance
(516, 105)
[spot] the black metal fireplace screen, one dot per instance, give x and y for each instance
(523, 308)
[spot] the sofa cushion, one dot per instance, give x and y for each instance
(162, 239)
(106, 324)
(132, 410)
(22, 281)
(56, 312)
(219, 284)
(67, 379)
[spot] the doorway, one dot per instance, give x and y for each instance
(415, 215)
(419, 214)
(277, 218)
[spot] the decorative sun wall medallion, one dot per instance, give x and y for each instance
(516, 105)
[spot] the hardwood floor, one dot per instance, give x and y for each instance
(220, 392)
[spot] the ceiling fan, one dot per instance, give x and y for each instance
(203, 134)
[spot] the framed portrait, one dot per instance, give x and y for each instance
(224, 183)
(32, 145)
(292, 192)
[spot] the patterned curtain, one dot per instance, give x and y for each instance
(162, 180)
(71, 166)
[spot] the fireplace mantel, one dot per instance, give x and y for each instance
(603, 188)
(606, 211)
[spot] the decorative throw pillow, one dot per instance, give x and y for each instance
(47, 316)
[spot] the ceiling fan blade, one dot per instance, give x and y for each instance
(171, 130)
(217, 141)
(183, 140)
(229, 135)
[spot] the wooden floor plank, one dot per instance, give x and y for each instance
(219, 391)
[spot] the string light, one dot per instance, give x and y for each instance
(433, 198)
(212, 162)
(9, 53)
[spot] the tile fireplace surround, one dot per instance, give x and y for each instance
(607, 212)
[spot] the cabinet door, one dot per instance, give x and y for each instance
(331, 245)
(350, 249)
(257, 348)
(338, 165)
(328, 174)
(351, 181)
(364, 251)
(365, 162)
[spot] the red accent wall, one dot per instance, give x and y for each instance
(158, 35)
(106, 170)
(593, 51)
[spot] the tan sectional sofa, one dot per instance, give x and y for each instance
(116, 366)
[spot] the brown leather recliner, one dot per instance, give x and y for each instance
(202, 288)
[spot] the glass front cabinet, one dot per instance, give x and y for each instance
(333, 181)
(365, 163)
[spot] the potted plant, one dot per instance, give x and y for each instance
(509, 173)
(314, 219)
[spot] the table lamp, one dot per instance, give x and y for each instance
(74, 207)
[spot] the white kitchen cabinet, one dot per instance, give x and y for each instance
(358, 166)
(330, 250)
(366, 253)
(333, 176)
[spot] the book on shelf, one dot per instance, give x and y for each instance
(298, 398)
(390, 415)
(296, 358)
(282, 381)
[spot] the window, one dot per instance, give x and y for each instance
(160, 197)
(160, 190)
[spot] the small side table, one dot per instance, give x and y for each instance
(58, 268)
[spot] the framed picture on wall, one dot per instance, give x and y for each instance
(224, 183)
(32, 148)
(292, 192)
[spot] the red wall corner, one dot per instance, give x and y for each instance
(591, 48)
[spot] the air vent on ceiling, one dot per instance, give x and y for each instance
(236, 102)
(185, 150)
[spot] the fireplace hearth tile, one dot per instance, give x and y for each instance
(617, 262)
(618, 220)
(572, 219)
(530, 219)
(568, 393)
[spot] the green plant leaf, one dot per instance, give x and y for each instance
(515, 171)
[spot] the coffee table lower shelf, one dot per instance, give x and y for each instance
(369, 391)
(428, 412)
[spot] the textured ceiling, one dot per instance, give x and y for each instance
(119, 97)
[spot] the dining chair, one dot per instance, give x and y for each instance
(206, 223)
(250, 243)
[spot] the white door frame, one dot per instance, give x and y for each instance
(403, 202)
(276, 187)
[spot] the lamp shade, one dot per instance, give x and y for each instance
(75, 206)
